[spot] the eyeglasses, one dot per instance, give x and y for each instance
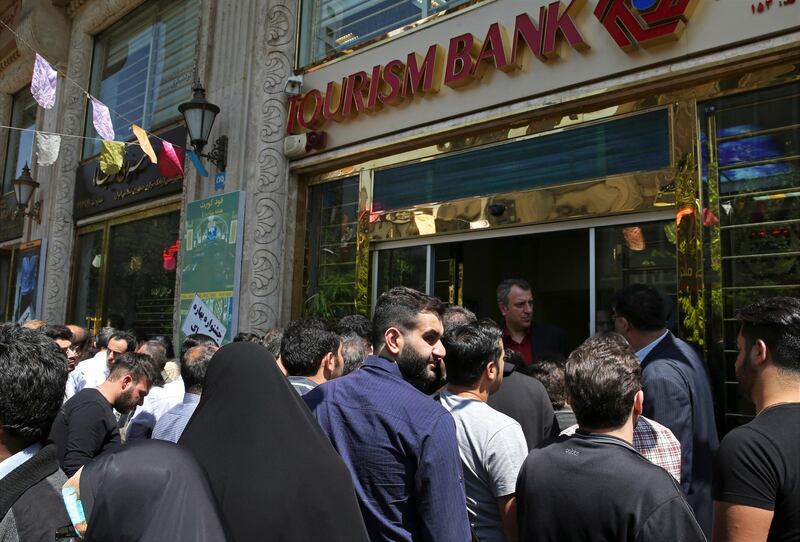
(71, 348)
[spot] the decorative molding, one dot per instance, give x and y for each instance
(267, 189)
(9, 60)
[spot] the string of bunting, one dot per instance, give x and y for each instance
(43, 89)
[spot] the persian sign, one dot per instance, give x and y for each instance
(201, 319)
(211, 255)
(138, 180)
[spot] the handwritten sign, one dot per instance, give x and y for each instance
(201, 319)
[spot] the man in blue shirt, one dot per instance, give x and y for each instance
(399, 444)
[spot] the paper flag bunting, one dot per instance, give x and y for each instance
(170, 163)
(144, 142)
(111, 155)
(198, 165)
(102, 120)
(43, 83)
(47, 146)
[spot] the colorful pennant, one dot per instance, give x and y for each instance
(198, 165)
(43, 83)
(47, 146)
(111, 155)
(144, 142)
(170, 164)
(101, 119)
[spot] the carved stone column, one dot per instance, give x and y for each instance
(256, 131)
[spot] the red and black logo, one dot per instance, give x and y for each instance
(634, 23)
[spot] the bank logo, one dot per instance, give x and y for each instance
(635, 23)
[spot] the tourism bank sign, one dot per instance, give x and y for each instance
(465, 58)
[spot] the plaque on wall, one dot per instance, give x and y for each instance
(11, 226)
(137, 181)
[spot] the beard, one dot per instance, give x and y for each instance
(414, 367)
(746, 376)
(123, 403)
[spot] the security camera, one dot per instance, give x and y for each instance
(294, 146)
(294, 85)
(497, 209)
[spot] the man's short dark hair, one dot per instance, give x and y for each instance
(603, 376)
(357, 324)
(776, 321)
(194, 364)
(196, 339)
(272, 341)
(305, 342)
(138, 366)
(504, 288)
(549, 370)
(244, 336)
(80, 339)
(156, 351)
(103, 336)
(55, 331)
(400, 307)
(642, 306)
(470, 348)
(166, 341)
(127, 336)
(355, 350)
(33, 374)
(456, 315)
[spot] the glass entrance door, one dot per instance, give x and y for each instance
(574, 273)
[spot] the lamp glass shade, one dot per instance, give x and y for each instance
(199, 115)
(24, 187)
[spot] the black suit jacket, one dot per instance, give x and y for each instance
(548, 339)
(677, 394)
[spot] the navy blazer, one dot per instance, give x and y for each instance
(677, 394)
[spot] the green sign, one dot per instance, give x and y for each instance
(211, 251)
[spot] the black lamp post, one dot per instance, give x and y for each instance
(24, 187)
(199, 115)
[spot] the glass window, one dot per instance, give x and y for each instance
(403, 267)
(329, 27)
(642, 253)
(86, 287)
(330, 273)
(141, 285)
(143, 67)
(635, 143)
(122, 276)
(751, 175)
(20, 143)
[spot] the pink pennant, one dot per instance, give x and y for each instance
(170, 161)
(43, 84)
(101, 119)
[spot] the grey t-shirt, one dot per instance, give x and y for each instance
(302, 384)
(492, 449)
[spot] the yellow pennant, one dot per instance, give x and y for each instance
(111, 156)
(144, 141)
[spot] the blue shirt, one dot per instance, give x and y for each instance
(400, 446)
(170, 426)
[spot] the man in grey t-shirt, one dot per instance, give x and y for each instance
(491, 445)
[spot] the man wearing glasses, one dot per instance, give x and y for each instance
(62, 336)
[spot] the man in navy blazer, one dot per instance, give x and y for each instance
(677, 391)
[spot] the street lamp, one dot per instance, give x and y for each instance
(199, 115)
(24, 187)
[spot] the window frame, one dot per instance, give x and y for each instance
(15, 101)
(300, 67)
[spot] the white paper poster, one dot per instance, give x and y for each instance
(201, 319)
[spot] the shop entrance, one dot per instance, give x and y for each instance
(573, 271)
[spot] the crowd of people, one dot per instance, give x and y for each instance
(424, 423)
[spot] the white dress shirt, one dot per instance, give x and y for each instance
(89, 373)
(10, 463)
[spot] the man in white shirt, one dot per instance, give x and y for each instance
(160, 399)
(491, 445)
(92, 372)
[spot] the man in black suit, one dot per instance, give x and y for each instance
(677, 391)
(521, 334)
